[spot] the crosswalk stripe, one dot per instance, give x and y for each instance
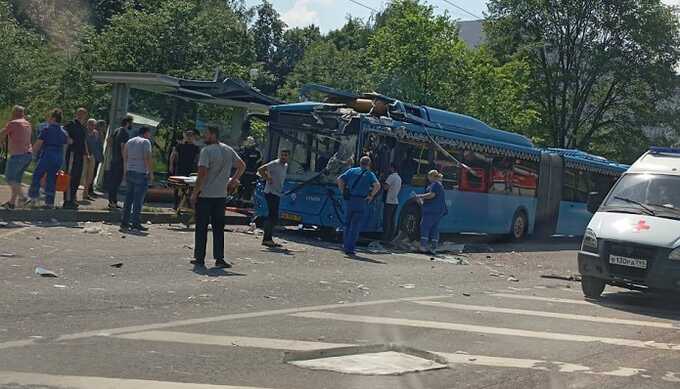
(489, 330)
(451, 358)
(552, 315)
(605, 304)
(85, 382)
(236, 341)
(204, 320)
(538, 298)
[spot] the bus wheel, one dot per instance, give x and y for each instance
(520, 226)
(409, 222)
(592, 287)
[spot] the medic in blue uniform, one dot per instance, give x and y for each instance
(358, 186)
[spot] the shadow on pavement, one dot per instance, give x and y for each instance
(215, 272)
(365, 259)
(662, 305)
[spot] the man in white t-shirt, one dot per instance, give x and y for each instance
(392, 188)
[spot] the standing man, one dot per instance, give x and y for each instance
(89, 162)
(117, 140)
(18, 132)
(137, 175)
(252, 158)
(183, 159)
(358, 187)
(392, 189)
(210, 194)
(275, 174)
(75, 155)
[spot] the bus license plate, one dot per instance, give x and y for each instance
(291, 217)
(630, 262)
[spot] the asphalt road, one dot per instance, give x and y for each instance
(156, 322)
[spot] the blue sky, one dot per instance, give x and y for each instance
(331, 14)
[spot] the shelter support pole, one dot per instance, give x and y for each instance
(120, 96)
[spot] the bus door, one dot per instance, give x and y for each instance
(549, 194)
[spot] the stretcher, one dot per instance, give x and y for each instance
(184, 185)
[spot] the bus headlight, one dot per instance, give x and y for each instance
(674, 255)
(589, 241)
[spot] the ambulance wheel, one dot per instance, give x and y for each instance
(592, 287)
(409, 222)
(519, 227)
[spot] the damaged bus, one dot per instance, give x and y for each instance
(496, 182)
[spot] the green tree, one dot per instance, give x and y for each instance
(323, 63)
(413, 52)
(594, 63)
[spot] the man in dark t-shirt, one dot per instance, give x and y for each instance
(118, 140)
(184, 158)
(75, 155)
(252, 158)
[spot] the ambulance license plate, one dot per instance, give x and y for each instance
(291, 217)
(626, 261)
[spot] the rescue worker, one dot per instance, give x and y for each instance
(433, 210)
(358, 187)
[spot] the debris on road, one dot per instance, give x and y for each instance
(451, 247)
(466, 294)
(271, 297)
(93, 230)
(513, 279)
(60, 286)
(8, 255)
(408, 286)
(117, 265)
(188, 247)
(571, 277)
(455, 260)
(41, 271)
(376, 247)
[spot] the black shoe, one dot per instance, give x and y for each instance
(124, 226)
(139, 227)
(70, 205)
(222, 264)
(196, 262)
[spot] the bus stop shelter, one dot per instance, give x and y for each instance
(221, 91)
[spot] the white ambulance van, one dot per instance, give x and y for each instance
(633, 239)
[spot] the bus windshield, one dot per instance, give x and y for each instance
(313, 153)
(641, 192)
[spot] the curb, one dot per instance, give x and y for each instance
(86, 215)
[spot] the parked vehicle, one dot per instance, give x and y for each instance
(634, 238)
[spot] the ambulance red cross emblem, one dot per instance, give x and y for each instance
(641, 226)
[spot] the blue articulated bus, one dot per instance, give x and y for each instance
(496, 181)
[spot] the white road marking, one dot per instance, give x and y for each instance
(236, 341)
(235, 316)
(604, 304)
(537, 298)
(553, 315)
(490, 330)
(452, 358)
(83, 382)
(15, 231)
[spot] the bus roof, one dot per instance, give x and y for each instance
(451, 121)
(584, 161)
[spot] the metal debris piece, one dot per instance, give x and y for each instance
(571, 277)
(8, 255)
(408, 286)
(41, 271)
(513, 279)
(117, 265)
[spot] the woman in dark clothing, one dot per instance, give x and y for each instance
(434, 209)
(50, 149)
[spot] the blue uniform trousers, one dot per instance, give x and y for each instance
(49, 164)
(356, 210)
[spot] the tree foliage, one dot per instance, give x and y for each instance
(597, 65)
